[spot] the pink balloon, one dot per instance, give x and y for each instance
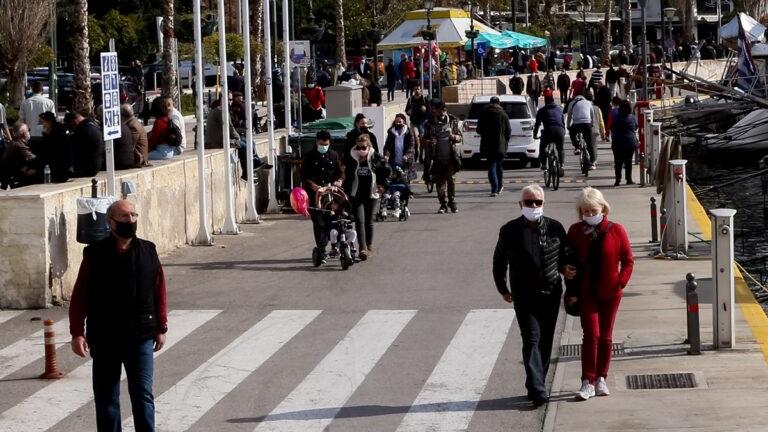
(300, 201)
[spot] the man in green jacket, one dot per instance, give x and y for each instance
(494, 131)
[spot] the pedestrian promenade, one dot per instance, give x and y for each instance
(730, 385)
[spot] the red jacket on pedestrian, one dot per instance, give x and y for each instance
(315, 97)
(408, 70)
(616, 259)
(533, 66)
(159, 132)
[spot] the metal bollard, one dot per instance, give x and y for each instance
(94, 188)
(692, 314)
(654, 222)
(663, 222)
(51, 368)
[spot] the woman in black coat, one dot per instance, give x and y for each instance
(624, 141)
(361, 127)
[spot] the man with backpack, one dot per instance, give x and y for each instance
(167, 138)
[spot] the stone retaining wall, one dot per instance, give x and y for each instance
(39, 254)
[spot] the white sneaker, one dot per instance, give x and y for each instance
(587, 391)
(384, 214)
(396, 213)
(601, 388)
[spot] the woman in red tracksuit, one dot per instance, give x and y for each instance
(604, 263)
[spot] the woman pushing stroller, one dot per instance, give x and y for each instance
(399, 158)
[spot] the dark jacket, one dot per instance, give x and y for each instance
(511, 258)
(624, 132)
(409, 152)
(124, 148)
(351, 181)
(57, 154)
(352, 140)
(563, 82)
(214, 136)
(611, 76)
(439, 131)
(534, 86)
(121, 291)
(516, 85)
(413, 109)
(17, 159)
(320, 169)
(549, 116)
(614, 266)
(87, 149)
(374, 95)
(493, 128)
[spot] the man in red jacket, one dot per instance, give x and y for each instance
(120, 290)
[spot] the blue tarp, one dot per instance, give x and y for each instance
(525, 41)
(492, 41)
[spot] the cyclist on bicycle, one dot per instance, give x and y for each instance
(550, 116)
(580, 119)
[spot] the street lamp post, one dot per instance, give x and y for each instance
(669, 13)
(644, 49)
(584, 7)
(471, 33)
(429, 35)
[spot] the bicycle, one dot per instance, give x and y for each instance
(584, 157)
(551, 167)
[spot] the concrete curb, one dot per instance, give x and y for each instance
(559, 378)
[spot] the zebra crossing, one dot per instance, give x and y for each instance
(446, 402)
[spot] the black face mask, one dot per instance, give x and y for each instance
(125, 230)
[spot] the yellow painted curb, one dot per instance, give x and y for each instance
(750, 308)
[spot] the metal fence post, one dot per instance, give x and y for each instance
(722, 276)
(654, 222)
(692, 314)
(652, 151)
(676, 238)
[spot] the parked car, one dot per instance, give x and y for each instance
(129, 93)
(185, 68)
(522, 147)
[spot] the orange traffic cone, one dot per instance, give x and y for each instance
(51, 369)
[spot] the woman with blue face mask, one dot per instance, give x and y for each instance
(604, 262)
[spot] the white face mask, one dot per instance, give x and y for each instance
(593, 220)
(532, 213)
(361, 154)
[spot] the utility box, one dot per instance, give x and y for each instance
(343, 100)
(722, 275)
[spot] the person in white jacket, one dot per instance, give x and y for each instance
(598, 130)
(580, 119)
(31, 108)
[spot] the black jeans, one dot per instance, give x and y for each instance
(552, 135)
(537, 319)
(563, 96)
(362, 209)
(622, 158)
(321, 226)
(391, 90)
(242, 155)
(586, 133)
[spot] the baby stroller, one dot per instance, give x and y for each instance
(394, 201)
(334, 204)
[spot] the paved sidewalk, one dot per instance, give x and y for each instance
(731, 384)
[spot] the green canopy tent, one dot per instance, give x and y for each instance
(492, 41)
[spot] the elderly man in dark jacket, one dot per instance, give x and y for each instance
(493, 128)
(532, 251)
(87, 144)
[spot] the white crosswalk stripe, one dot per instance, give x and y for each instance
(9, 314)
(61, 398)
(446, 402)
(186, 402)
(315, 402)
(25, 351)
(450, 396)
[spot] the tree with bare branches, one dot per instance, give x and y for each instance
(169, 88)
(627, 15)
(83, 99)
(22, 30)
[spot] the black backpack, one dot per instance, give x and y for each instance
(174, 135)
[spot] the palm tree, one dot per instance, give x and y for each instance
(627, 13)
(257, 55)
(341, 56)
(83, 100)
(169, 88)
(606, 57)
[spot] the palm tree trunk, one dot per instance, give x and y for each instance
(606, 57)
(169, 88)
(83, 100)
(257, 56)
(341, 56)
(627, 12)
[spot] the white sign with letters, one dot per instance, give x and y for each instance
(300, 53)
(110, 95)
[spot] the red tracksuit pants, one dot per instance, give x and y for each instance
(597, 318)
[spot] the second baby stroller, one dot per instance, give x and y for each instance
(394, 201)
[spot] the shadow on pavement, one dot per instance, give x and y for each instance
(518, 403)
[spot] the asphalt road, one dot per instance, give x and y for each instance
(414, 339)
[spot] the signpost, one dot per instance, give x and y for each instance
(110, 96)
(299, 52)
